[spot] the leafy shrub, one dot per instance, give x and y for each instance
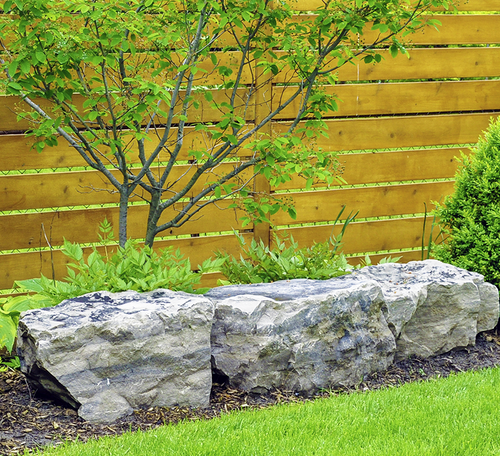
(282, 262)
(470, 218)
(259, 263)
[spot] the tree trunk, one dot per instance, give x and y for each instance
(123, 217)
(153, 218)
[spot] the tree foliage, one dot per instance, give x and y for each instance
(137, 87)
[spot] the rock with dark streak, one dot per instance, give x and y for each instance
(301, 335)
(430, 308)
(108, 354)
(433, 307)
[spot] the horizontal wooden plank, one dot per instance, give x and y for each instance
(395, 166)
(404, 257)
(209, 74)
(35, 230)
(463, 5)
(420, 63)
(11, 106)
(21, 266)
(478, 5)
(456, 29)
(403, 98)
(16, 152)
(379, 201)
(76, 188)
(394, 132)
(368, 236)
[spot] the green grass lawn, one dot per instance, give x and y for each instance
(458, 415)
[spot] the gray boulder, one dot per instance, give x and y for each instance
(108, 354)
(433, 307)
(300, 335)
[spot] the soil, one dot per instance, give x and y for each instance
(28, 421)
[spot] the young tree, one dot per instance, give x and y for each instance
(138, 86)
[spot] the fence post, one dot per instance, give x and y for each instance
(263, 107)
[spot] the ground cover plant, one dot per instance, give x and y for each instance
(455, 415)
(259, 263)
(470, 217)
(139, 87)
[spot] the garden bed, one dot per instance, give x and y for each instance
(29, 421)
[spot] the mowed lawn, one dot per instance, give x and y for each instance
(458, 415)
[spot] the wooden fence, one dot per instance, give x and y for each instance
(397, 141)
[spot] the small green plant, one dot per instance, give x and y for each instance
(285, 261)
(470, 217)
(133, 267)
(11, 363)
(260, 263)
(10, 310)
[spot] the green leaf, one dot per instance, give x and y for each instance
(8, 330)
(13, 66)
(29, 285)
(40, 56)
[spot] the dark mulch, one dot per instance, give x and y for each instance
(28, 421)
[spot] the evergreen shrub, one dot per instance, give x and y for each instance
(470, 217)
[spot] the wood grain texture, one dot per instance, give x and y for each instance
(463, 5)
(12, 106)
(16, 152)
(75, 188)
(378, 201)
(420, 63)
(368, 236)
(396, 166)
(405, 131)
(403, 98)
(39, 230)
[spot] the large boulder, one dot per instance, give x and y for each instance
(265, 336)
(433, 307)
(108, 354)
(300, 335)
